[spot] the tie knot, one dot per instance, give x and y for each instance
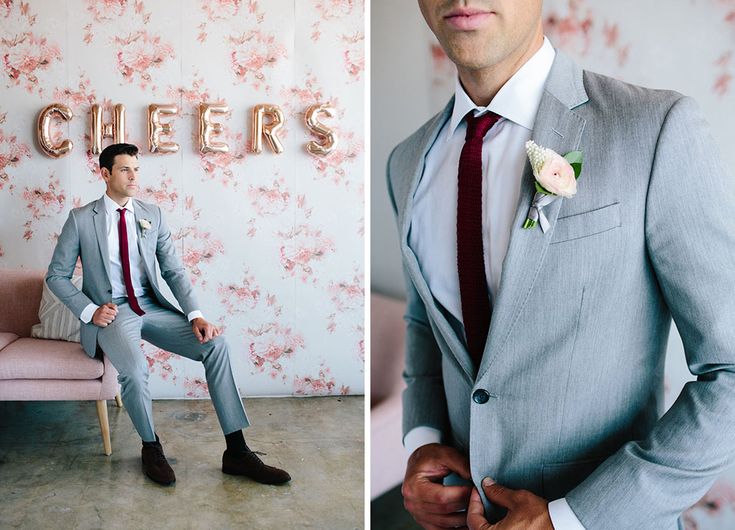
(478, 126)
(121, 210)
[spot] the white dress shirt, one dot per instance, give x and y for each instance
(138, 276)
(433, 236)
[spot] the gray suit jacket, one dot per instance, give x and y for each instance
(574, 362)
(85, 235)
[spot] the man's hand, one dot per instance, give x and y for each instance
(526, 511)
(104, 315)
(203, 330)
(430, 503)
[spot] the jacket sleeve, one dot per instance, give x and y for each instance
(61, 268)
(172, 269)
(424, 401)
(691, 245)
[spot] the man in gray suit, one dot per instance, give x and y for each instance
(535, 351)
(120, 240)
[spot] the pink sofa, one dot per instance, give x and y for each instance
(387, 346)
(46, 370)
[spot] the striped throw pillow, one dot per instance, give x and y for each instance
(57, 320)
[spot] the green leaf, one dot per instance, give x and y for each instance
(541, 189)
(575, 160)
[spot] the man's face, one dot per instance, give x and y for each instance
(478, 34)
(122, 181)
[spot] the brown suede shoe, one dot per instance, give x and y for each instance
(249, 464)
(155, 465)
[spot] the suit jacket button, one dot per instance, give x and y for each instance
(480, 396)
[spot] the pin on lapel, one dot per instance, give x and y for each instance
(555, 176)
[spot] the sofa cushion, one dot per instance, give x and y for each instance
(6, 338)
(47, 359)
(20, 292)
(57, 322)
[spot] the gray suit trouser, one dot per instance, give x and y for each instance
(170, 331)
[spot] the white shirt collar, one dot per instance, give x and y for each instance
(112, 207)
(518, 99)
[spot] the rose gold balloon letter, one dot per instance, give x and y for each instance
(43, 130)
(207, 128)
(156, 129)
(269, 130)
(114, 130)
(327, 138)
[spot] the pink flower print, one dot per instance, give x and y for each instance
(718, 498)
(105, 10)
(162, 195)
(196, 387)
(139, 53)
(354, 57)
(220, 164)
(330, 10)
(199, 248)
(79, 98)
(238, 297)
(271, 345)
(42, 203)
(24, 56)
(193, 95)
(251, 54)
(332, 165)
(322, 385)
(159, 361)
(12, 153)
(569, 30)
(269, 200)
(346, 296)
(301, 248)
(724, 78)
(194, 213)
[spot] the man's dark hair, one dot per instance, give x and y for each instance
(108, 154)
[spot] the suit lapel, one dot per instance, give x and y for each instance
(141, 213)
(414, 165)
(559, 128)
(100, 226)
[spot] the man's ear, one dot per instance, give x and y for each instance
(105, 174)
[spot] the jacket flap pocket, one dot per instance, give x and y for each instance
(587, 223)
(559, 479)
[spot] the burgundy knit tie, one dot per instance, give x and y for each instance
(470, 257)
(122, 232)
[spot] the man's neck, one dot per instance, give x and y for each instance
(481, 85)
(121, 201)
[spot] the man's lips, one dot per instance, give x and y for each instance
(467, 19)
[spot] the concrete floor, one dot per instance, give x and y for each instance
(53, 473)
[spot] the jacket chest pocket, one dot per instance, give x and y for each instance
(586, 224)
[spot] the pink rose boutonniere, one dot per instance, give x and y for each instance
(556, 176)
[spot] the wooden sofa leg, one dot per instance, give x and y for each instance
(118, 400)
(104, 425)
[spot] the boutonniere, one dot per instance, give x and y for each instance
(555, 176)
(145, 225)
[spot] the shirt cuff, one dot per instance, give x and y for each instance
(194, 314)
(88, 313)
(562, 516)
(419, 436)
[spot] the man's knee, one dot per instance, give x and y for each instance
(135, 377)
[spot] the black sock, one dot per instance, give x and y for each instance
(236, 441)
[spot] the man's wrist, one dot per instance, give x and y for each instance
(419, 436)
(194, 314)
(88, 312)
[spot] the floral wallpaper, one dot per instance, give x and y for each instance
(272, 242)
(633, 41)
